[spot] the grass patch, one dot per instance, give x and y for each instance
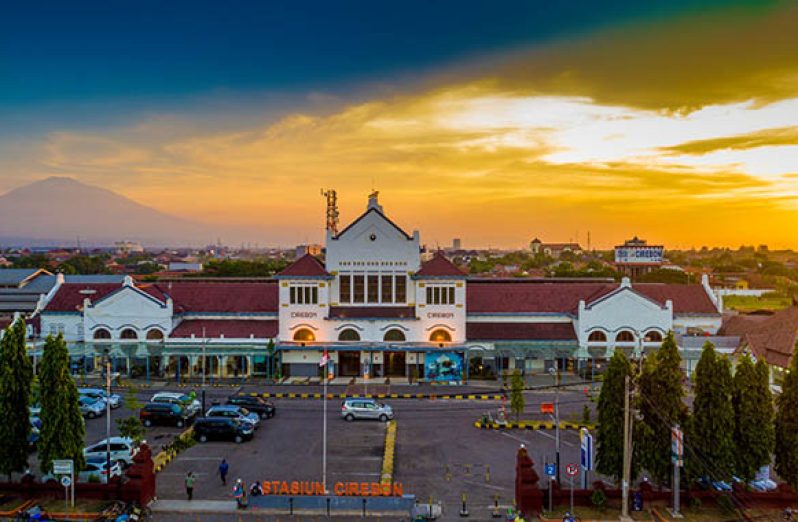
(749, 303)
(81, 506)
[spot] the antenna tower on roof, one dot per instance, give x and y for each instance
(332, 210)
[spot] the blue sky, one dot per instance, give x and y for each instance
(93, 62)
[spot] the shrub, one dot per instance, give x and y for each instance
(599, 499)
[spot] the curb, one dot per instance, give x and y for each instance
(531, 425)
(429, 396)
(386, 475)
(165, 457)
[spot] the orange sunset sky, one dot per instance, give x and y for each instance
(679, 127)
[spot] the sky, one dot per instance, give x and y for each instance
(494, 122)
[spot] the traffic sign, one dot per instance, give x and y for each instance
(586, 449)
(66, 481)
(551, 469)
(677, 446)
(62, 467)
(572, 470)
(547, 407)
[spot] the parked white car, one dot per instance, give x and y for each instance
(97, 393)
(191, 406)
(122, 450)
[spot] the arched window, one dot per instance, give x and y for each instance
(349, 335)
(440, 336)
(597, 337)
(154, 334)
(304, 335)
(128, 333)
(653, 337)
(102, 333)
(395, 335)
(625, 336)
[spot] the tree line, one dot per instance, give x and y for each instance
(63, 429)
(733, 428)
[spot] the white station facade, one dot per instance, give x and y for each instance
(377, 309)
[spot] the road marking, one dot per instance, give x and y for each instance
(483, 485)
(344, 457)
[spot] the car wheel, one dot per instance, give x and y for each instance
(147, 422)
(92, 415)
(349, 417)
(383, 418)
(264, 415)
(203, 438)
(180, 424)
(122, 464)
(238, 439)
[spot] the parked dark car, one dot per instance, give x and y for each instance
(222, 428)
(163, 413)
(262, 407)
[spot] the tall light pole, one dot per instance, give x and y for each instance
(204, 343)
(555, 372)
(627, 449)
(108, 411)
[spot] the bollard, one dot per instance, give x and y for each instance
(487, 473)
(464, 509)
(364, 508)
(448, 475)
(290, 505)
(496, 513)
(328, 506)
(467, 470)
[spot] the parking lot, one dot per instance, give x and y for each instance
(439, 453)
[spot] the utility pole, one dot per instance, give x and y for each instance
(555, 372)
(108, 411)
(627, 449)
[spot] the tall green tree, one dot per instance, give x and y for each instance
(517, 402)
(787, 425)
(609, 434)
(710, 431)
(16, 375)
(659, 402)
(754, 435)
(63, 428)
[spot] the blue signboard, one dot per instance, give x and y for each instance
(586, 447)
(443, 366)
(551, 469)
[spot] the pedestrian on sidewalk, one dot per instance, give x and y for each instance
(190, 478)
(240, 494)
(224, 467)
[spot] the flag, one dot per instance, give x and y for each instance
(324, 358)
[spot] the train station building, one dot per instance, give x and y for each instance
(376, 308)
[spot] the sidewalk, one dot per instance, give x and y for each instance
(229, 507)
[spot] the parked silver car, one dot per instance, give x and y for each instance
(352, 409)
(235, 412)
(91, 408)
(189, 404)
(97, 393)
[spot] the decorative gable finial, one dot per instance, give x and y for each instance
(373, 203)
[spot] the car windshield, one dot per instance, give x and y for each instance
(87, 401)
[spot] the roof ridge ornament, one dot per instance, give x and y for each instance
(373, 201)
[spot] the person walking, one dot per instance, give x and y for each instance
(190, 478)
(224, 467)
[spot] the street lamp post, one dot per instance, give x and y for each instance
(108, 411)
(555, 372)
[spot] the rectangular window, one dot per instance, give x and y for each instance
(293, 294)
(440, 295)
(314, 295)
(359, 286)
(400, 295)
(387, 288)
(374, 288)
(304, 295)
(346, 288)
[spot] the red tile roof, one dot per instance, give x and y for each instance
(520, 331)
(774, 338)
(382, 312)
(188, 296)
(223, 297)
(305, 266)
(530, 297)
(70, 296)
(543, 297)
(439, 266)
(231, 329)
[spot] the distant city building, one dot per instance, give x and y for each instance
(554, 250)
(182, 266)
(312, 249)
(125, 248)
(457, 244)
(636, 257)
